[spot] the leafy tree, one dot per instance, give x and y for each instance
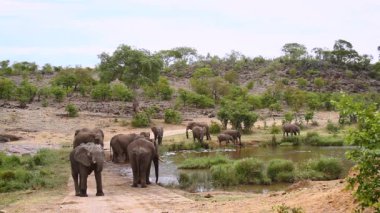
(343, 52)
(161, 89)
(47, 69)
(101, 92)
(58, 93)
(7, 88)
(24, 67)
(120, 92)
(75, 79)
(185, 55)
(25, 93)
(366, 136)
(133, 67)
(309, 116)
(172, 116)
(5, 68)
(294, 50)
(232, 77)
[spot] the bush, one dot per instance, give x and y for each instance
(224, 175)
(309, 116)
(313, 138)
(289, 116)
(7, 88)
(140, 119)
(26, 92)
(215, 128)
(120, 92)
(321, 169)
(58, 93)
(172, 116)
(101, 92)
(249, 171)
(275, 129)
(71, 110)
(281, 170)
(332, 128)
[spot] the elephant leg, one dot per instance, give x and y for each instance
(83, 182)
(99, 187)
(159, 140)
(143, 174)
(135, 173)
(76, 182)
(148, 173)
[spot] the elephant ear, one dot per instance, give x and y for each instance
(82, 155)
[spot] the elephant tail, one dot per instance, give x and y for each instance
(155, 162)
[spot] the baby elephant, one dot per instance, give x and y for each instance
(225, 137)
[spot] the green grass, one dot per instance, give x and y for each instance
(46, 169)
(321, 169)
(314, 139)
(203, 162)
(280, 170)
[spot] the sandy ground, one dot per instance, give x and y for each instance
(44, 128)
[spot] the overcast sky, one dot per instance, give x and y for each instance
(75, 32)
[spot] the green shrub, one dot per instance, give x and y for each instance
(302, 83)
(7, 88)
(249, 171)
(281, 170)
(140, 119)
(200, 101)
(313, 138)
(309, 116)
(215, 128)
(26, 92)
(224, 175)
(203, 162)
(332, 128)
(289, 116)
(292, 140)
(58, 93)
(286, 209)
(275, 129)
(172, 116)
(120, 92)
(72, 110)
(101, 92)
(330, 167)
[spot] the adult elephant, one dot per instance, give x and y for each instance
(225, 137)
(191, 125)
(198, 133)
(236, 135)
(119, 146)
(141, 153)
(145, 134)
(86, 135)
(158, 133)
(84, 159)
(290, 128)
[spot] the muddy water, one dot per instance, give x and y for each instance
(169, 173)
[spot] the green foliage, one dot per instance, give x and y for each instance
(172, 116)
(140, 119)
(160, 89)
(224, 175)
(46, 169)
(330, 167)
(191, 98)
(249, 171)
(132, 66)
(301, 83)
(286, 209)
(120, 92)
(319, 83)
(203, 162)
(289, 116)
(232, 77)
(314, 139)
(293, 72)
(215, 128)
(331, 127)
(309, 116)
(71, 110)
(26, 92)
(250, 85)
(280, 170)
(275, 129)
(58, 93)
(294, 51)
(74, 78)
(101, 92)
(255, 101)
(7, 88)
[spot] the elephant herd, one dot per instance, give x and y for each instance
(88, 153)
(88, 156)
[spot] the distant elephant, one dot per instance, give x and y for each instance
(141, 153)
(225, 137)
(158, 133)
(145, 134)
(235, 135)
(119, 146)
(86, 135)
(198, 133)
(84, 159)
(290, 128)
(199, 124)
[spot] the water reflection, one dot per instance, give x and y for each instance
(169, 173)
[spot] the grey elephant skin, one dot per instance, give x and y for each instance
(225, 137)
(119, 146)
(198, 134)
(145, 134)
(84, 159)
(191, 125)
(236, 135)
(158, 133)
(290, 128)
(86, 135)
(141, 153)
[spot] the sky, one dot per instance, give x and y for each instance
(75, 32)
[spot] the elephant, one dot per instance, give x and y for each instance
(84, 159)
(158, 133)
(191, 125)
(198, 133)
(225, 137)
(119, 145)
(235, 135)
(145, 134)
(293, 129)
(86, 135)
(141, 153)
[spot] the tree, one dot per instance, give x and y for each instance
(7, 88)
(343, 52)
(294, 50)
(133, 67)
